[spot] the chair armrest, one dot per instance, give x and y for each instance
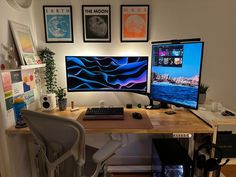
(106, 151)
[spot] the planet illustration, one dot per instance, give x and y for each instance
(96, 26)
(58, 27)
(135, 24)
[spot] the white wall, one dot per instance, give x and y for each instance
(13, 149)
(213, 21)
(81, 48)
(210, 20)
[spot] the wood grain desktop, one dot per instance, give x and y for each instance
(181, 122)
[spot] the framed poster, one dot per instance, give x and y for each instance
(58, 24)
(24, 44)
(134, 23)
(96, 23)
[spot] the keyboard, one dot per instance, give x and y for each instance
(111, 113)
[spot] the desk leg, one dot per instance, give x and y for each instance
(31, 152)
(191, 146)
(211, 174)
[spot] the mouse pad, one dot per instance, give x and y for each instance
(127, 123)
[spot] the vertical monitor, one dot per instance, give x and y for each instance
(175, 73)
(90, 73)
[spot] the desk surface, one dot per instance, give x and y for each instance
(215, 118)
(181, 122)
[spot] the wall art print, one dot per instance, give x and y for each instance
(58, 24)
(24, 44)
(134, 23)
(96, 23)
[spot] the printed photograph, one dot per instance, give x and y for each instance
(24, 43)
(96, 23)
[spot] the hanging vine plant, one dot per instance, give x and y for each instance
(47, 56)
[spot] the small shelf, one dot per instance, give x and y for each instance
(32, 66)
(24, 67)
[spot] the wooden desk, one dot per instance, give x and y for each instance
(219, 123)
(181, 122)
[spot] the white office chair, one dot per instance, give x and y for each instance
(62, 145)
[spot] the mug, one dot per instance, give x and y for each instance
(216, 107)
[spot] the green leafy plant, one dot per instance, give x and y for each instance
(203, 88)
(47, 56)
(60, 93)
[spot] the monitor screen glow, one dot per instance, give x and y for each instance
(86, 73)
(176, 70)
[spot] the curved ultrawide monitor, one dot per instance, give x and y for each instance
(116, 73)
(176, 71)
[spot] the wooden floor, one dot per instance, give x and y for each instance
(228, 171)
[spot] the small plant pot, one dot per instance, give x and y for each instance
(202, 98)
(62, 104)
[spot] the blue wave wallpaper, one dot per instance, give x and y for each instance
(106, 73)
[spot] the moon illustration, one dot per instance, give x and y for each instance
(97, 25)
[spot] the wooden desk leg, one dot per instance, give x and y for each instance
(31, 152)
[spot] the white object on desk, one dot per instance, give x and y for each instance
(101, 103)
(74, 109)
(48, 102)
(216, 107)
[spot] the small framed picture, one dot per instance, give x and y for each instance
(134, 23)
(58, 24)
(96, 23)
(24, 44)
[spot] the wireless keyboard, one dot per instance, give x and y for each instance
(104, 113)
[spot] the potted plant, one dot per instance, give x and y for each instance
(47, 57)
(202, 93)
(62, 101)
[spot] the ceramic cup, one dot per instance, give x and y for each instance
(216, 107)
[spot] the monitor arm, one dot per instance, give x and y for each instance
(158, 106)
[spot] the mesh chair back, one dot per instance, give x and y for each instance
(61, 140)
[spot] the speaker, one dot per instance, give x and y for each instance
(210, 164)
(48, 102)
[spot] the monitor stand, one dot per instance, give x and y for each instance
(161, 105)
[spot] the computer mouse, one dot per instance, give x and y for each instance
(137, 115)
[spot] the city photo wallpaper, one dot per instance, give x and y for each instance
(176, 73)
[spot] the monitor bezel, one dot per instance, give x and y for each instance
(170, 102)
(109, 90)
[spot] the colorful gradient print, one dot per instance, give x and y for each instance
(106, 73)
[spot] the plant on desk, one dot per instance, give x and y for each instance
(202, 93)
(62, 101)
